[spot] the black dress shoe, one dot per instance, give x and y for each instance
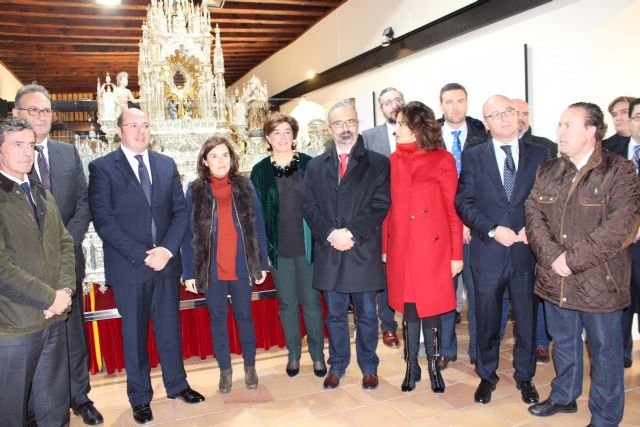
(483, 392)
(319, 368)
(332, 381)
(142, 413)
(90, 415)
(188, 395)
(627, 363)
(528, 392)
(293, 367)
(546, 408)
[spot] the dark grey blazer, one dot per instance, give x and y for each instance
(69, 188)
(377, 139)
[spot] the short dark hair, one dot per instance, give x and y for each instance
(633, 104)
(593, 117)
(276, 119)
(421, 120)
(613, 103)
(388, 89)
(13, 124)
(30, 88)
(210, 144)
(452, 86)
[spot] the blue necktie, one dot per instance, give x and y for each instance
(509, 172)
(636, 158)
(456, 150)
(43, 168)
(145, 182)
(26, 188)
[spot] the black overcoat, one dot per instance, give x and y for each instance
(359, 202)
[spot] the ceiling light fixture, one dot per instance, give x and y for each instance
(387, 37)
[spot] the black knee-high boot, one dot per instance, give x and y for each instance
(411, 331)
(437, 382)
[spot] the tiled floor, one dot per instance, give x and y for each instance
(301, 401)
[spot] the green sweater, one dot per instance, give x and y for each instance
(33, 264)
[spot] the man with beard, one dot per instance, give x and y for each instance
(345, 200)
(524, 129)
(382, 139)
(459, 132)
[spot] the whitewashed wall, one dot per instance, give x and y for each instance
(579, 50)
(9, 85)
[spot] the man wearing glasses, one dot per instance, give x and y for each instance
(495, 181)
(382, 139)
(345, 200)
(630, 149)
(59, 168)
(139, 212)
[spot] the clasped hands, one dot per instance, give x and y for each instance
(341, 239)
(507, 237)
(61, 303)
(157, 258)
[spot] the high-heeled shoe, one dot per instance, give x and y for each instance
(437, 382)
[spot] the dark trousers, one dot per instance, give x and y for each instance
(606, 397)
(77, 348)
(364, 304)
(216, 295)
(156, 299)
(489, 291)
(627, 315)
(34, 373)
(386, 315)
(293, 279)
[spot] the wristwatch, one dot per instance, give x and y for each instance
(492, 232)
(68, 291)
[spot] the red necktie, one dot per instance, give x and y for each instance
(343, 163)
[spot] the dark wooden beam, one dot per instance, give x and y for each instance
(469, 18)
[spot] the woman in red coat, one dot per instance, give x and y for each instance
(423, 235)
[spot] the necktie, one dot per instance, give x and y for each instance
(26, 188)
(509, 171)
(343, 163)
(145, 182)
(456, 150)
(43, 167)
(636, 158)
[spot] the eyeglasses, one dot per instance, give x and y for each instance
(136, 126)
(393, 101)
(339, 124)
(35, 112)
(508, 112)
(635, 118)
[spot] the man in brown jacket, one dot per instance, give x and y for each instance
(582, 214)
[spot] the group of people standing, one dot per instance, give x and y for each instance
(384, 221)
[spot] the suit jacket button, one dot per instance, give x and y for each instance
(412, 217)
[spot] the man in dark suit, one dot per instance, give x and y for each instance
(495, 181)
(524, 130)
(619, 110)
(59, 168)
(345, 200)
(138, 210)
(459, 132)
(630, 149)
(382, 139)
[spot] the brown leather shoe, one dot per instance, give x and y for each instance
(443, 363)
(369, 381)
(332, 381)
(390, 339)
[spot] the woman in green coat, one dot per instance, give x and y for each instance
(278, 182)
